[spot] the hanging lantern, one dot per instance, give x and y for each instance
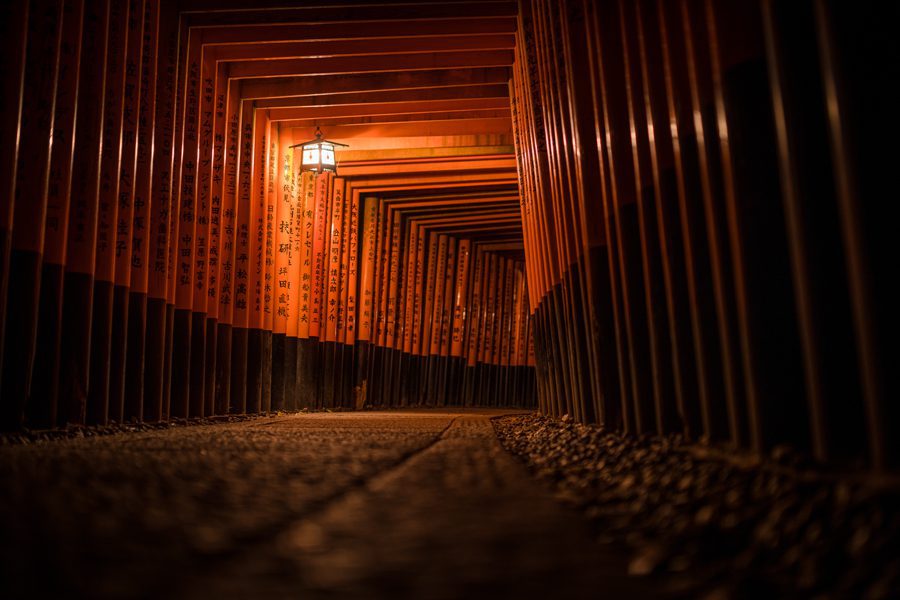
(318, 154)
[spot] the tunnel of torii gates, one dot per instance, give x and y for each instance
(660, 216)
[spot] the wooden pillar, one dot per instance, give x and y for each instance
(185, 328)
(318, 278)
(367, 300)
(226, 166)
(35, 130)
(291, 193)
(284, 350)
(408, 372)
(471, 321)
(42, 409)
(459, 314)
(158, 312)
(857, 56)
(331, 296)
(268, 284)
(143, 207)
(81, 242)
(306, 356)
(107, 214)
(124, 221)
(199, 154)
(14, 19)
(242, 263)
(215, 90)
(347, 309)
(376, 370)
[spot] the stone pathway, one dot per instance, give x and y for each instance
(412, 504)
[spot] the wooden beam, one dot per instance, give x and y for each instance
(313, 85)
(252, 50)
(281, 67)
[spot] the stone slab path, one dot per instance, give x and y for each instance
(411, 504)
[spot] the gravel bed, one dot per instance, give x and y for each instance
(30, 436)
(714, 528)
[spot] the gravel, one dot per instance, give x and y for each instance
(714, 526)
(72, 431)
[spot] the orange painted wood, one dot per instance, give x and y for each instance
(560, 177)
(440, 277)
(427, 312)
(523, 173)
(489, 179)
(130, 123)
(411, 246)
(530, 360)
(368, 260)
(298, 250)
(271, 225)
(163, 155)
(370, 82)
(351, 298)
(203, 254)
(59, 188)
(447, 300)
(285, 287)
(307, 250)
(476, 342)
(524, 316)
(490, 310)
(475, 218)
(515, 357)
(15, 30)
(216, 185)
(341, 103)
(460, 308)
(459, 199)
(476, 310)
(251, 50)
(477, 127)
(492, 350)
(333, 266)
(319, 256)
(383, 246)
(81, 241)
(345, 107)
(228, 256)
(142, 202)
(243, 241)
(539, 162)
(300, 261)
(181, 60)
(394, 19)
(45, 28)
(418, 289)
(341, 328)
(338, 65)
(292, 201)
(420, 165)
(275, 31)
(505, 331)
(392, 306)
(258, 206)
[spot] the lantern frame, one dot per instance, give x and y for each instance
(316, 153)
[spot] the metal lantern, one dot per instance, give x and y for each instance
(318, 154)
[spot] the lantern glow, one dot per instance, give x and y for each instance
(318, 154)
